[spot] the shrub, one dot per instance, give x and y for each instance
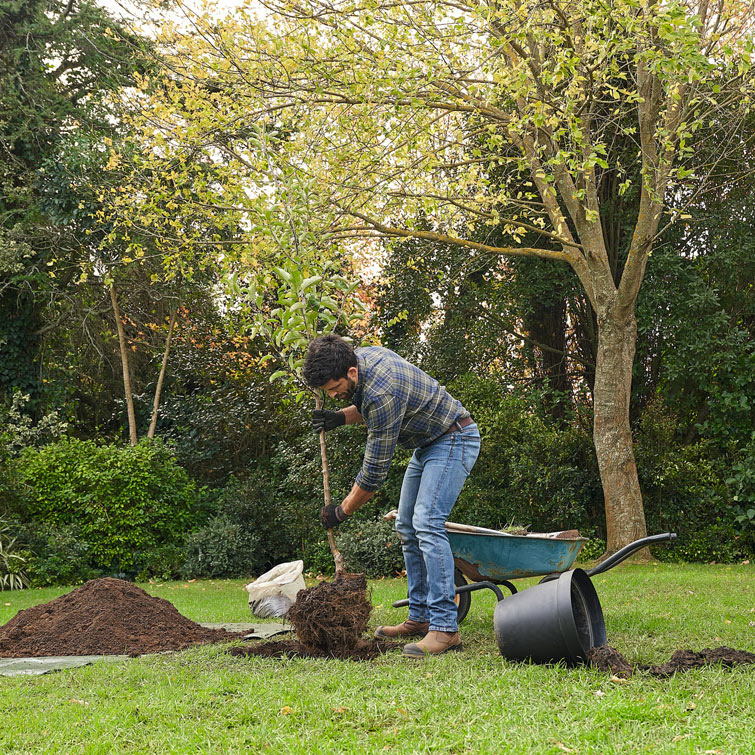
(162, 562)
(19, 429)
(300, 474)
(742, 485)
(371, 548)
(126, 500)
(317, 557)
(684, 492)
(222, 548)
(281, 496)
(12, 561)
(593, 549)
(716, 542)
(530, 472)
(8, 488)
(58, 554)
(257, 505)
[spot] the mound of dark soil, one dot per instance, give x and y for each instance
(364, 650)
(102, 617)
(330, 618)
(611, 660)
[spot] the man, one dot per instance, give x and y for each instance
(399, 403)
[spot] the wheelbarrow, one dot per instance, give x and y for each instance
(560, 618)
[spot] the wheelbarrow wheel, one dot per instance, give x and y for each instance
(463, 600)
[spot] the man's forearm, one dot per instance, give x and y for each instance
(355, 499)
(353, 417)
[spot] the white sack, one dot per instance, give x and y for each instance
(273, 593)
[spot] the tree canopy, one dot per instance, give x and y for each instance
(540, 122)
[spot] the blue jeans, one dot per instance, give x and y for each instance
(432, 483)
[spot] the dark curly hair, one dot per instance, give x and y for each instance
(327, 358)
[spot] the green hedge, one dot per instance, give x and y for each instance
(222, 548)
(58, 555)
(685, 491)
(741, 483)
(125, 501)
(371, 547)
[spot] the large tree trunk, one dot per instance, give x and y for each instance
(612, 434)
(125, 368)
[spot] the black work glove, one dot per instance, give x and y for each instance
(332, 516)
(322, 419)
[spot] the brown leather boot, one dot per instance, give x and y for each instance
(409, 628)
(434, 643)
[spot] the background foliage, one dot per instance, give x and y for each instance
(124, 500)
(233, 486)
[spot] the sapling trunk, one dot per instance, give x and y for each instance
(159, 388)
(125, 367)
(337, 557)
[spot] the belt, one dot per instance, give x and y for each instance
(458, 424)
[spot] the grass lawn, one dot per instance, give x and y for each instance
(204, 700)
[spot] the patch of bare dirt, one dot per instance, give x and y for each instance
(608, 659)
(364, 650)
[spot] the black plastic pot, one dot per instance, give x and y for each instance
(557, 620)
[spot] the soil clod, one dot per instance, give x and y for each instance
(607, 658)
(103, 617)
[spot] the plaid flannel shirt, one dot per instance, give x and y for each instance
(400, 404)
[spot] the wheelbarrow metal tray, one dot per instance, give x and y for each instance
(496, 557)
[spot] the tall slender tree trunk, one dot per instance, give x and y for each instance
(125, 368)
(612, 434)
(159, 386)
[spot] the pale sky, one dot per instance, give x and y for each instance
(124, 7)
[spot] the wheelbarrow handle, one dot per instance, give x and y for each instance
(628, 550)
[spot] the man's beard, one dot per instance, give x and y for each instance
(348, 394)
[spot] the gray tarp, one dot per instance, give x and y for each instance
(36, 666)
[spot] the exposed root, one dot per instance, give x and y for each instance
(331, 617)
